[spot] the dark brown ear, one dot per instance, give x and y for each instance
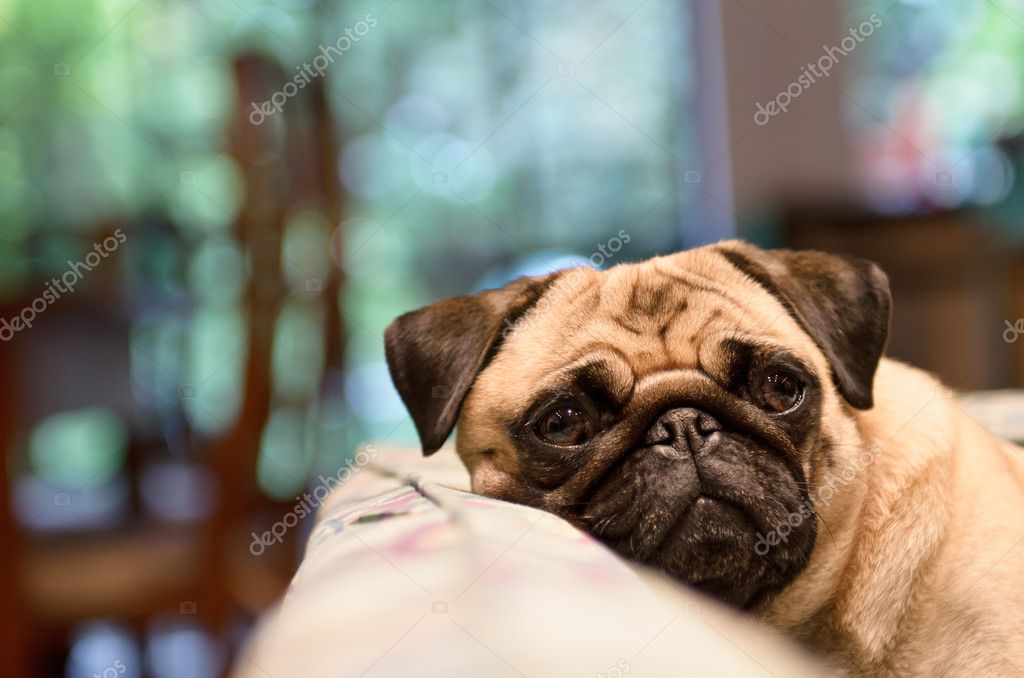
(842, 302)
(435, 354)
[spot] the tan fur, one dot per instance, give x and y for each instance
(929, 575)
(918, 567)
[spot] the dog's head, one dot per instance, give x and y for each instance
(681, 409)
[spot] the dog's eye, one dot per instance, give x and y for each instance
(778, 392)
(565, 425)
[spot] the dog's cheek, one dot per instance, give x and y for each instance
(488, 480)
(495, 472)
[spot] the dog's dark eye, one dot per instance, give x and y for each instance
(778, 392)
(565, 425)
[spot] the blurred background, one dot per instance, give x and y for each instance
(210, 210)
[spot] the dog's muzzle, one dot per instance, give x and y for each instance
(695, 500)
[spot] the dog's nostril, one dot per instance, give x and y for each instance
(683, 423)
(706, 424)
(659, 434)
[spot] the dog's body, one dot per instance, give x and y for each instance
(716, 414)
(922, 572)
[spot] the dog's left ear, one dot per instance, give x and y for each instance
(842, 302)
(435, 354)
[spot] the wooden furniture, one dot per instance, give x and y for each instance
(79, 355)
(954, 283)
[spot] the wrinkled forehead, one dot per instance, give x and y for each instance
(637, 320)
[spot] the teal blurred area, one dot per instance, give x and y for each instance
(211, 209)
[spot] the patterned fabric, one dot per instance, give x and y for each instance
(406, 576)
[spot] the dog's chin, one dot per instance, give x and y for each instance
(714, 548)
(731, 522)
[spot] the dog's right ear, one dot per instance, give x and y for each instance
(435, 354)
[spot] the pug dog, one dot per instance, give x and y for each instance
(725, 415)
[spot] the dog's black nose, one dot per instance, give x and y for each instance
(682, 426)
